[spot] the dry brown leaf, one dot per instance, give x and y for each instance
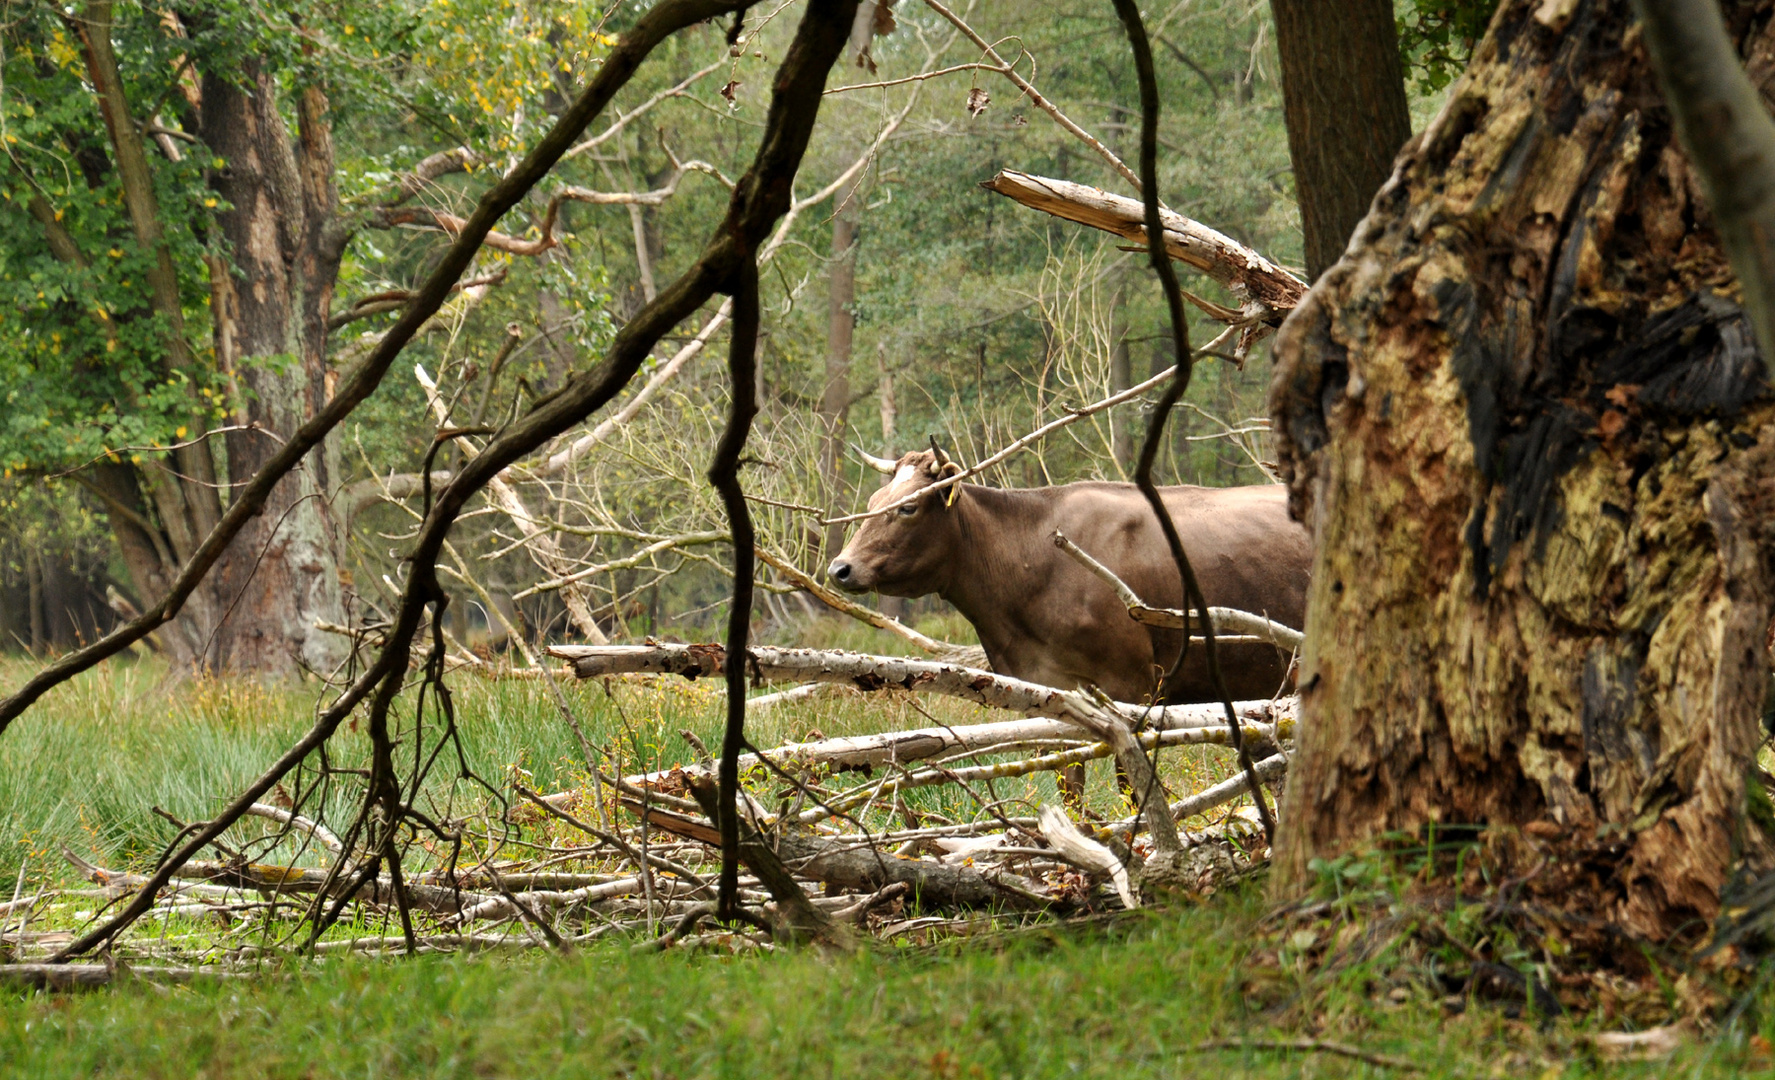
(978, 98)
(884, 17)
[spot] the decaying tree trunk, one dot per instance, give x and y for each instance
(1530, 427)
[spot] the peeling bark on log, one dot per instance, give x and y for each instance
(1266, 292)
(860, 867)
(871, 673)
(292, 880)
(1530, 427)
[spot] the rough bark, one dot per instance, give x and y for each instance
(1529, 425)
(281, 575)
(1343, 97)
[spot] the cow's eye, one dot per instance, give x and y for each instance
(909, 509)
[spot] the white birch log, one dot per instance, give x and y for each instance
(1266, 291)
(870, 673)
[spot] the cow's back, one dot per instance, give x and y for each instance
(1246, 553)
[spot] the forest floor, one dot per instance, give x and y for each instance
(1134, 995)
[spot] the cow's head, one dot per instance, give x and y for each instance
(908, 550)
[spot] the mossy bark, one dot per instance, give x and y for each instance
(1529, 425)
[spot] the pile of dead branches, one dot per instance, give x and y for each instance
(831, 844)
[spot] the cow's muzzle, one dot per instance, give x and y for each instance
(845, 575)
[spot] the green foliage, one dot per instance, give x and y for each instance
(82, 355)
(1436, 37)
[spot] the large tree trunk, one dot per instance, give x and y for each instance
(1530, 428)
(281, 575)
(1343, 97)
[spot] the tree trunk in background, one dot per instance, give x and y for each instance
(1536, 443)
(1343, 96)
(1123, 438)
(890, 409)
(841, 324)
(281, 574)
(835, 399)
(34, 601)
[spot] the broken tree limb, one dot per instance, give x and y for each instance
(85, 976)
(870, 673)
(1265, 291)
(859, 866)
(1007, 769)
(321, 833)
(1179, 724)
(1226, 791)
(504, 907)
(1143, 779)
(1082, 851)
(796, 916)
(287, 880)
(1239, 622)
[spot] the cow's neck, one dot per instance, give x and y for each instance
(1001, 532)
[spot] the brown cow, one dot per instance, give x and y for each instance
(1043, 617)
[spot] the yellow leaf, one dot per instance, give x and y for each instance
(179, 432)
(209, 202)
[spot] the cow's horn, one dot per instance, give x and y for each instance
(937, 452)
(879, 464)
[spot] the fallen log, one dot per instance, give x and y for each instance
(870, 673)
(850, 800)
(87, 976)
(504, 907)
(863, 868)
(1265, 291)
(288, 880)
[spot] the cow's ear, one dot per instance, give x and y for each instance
(945, 470)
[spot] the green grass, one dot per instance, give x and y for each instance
(1122, 1001)
(85, 768)
(1119, 1001)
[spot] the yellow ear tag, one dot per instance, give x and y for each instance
(954, 490)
